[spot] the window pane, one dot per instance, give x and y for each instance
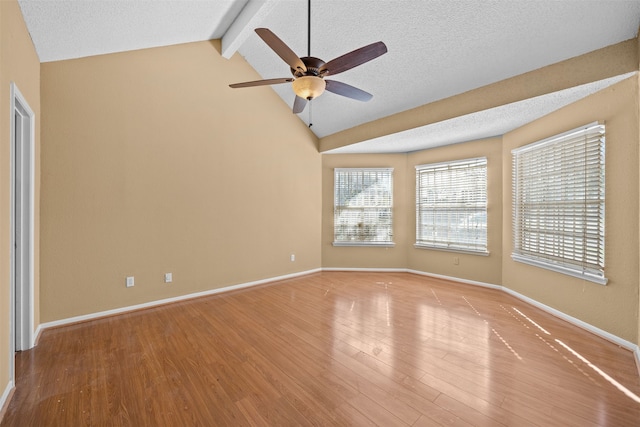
(363, 200)
(451, 205)
(558, 202)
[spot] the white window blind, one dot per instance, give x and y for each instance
(363, 202)
(559, 202)
(451, 205)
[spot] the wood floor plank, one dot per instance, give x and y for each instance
(251, 413)
(376, 413)
(330, 348)
(447, 419)
(546, 414)
(486, 415)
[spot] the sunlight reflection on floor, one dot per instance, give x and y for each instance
(603, 374)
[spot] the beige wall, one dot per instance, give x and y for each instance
(18, 63)
(152, 164)
(366, 257)
(404, 255)
(614, 307)
(479, 268)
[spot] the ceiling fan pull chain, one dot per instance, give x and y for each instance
(310, 108)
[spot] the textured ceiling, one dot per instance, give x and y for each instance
(66, 29)
(437, 49)
(478, 125)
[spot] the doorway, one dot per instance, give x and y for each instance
(22, 223)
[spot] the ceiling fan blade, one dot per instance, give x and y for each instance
(279, 47)
(354, 58)
(299, 104)
(349, 91)
(261, 83)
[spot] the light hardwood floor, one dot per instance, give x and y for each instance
(331, 348)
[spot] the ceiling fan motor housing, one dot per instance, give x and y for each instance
(309, 72)
(313, 67)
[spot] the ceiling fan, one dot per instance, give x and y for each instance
(309, 73)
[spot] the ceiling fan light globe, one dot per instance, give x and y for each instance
(309, 87)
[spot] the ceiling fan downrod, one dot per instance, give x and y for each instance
(309, 51)
(308, 73)
(309, 28)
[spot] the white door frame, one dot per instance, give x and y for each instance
(22, 190)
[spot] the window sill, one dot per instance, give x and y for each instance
(560, 269)
(460, 251)
(366, 244)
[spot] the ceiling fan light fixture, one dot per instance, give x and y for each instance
(309, 87)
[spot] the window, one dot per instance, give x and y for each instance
(558, 203)
(363, 201)
(451, 206)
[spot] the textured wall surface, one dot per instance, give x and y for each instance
(614, 307)
(152, 164)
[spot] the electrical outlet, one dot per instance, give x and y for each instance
(293, 257)
(168, 277)
(130, 281)
(456, 260)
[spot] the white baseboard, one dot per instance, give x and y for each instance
(4, 397)
(130, 308)
(577, 322)
(373, 270)
(456, 279)
(36, 335)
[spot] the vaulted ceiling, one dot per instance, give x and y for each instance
(436, 50)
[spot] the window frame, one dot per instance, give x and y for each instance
(336, 208)
(594, 162)
(458, 246)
